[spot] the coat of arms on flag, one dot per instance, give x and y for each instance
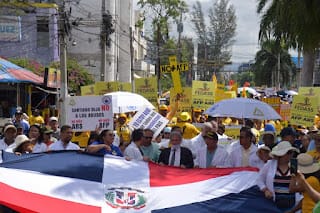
(125, 198)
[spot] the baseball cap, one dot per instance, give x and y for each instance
(53, 118)
(288, 131)
(163, 107)
(10, 126)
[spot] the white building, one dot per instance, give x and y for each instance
(84, 45)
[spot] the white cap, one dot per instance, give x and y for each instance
(53, 118)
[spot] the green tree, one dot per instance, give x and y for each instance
(216, 38)
(161, 12)
(296, 22)
(29, 64)
(77, 75)
(266, 66)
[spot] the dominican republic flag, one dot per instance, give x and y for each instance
(78, 182)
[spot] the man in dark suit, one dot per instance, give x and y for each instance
(176, 155)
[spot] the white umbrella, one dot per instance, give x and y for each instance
(291, 92)
(123, 102)
(250, 90)
(243, 108)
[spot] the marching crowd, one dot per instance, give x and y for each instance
(183, 145)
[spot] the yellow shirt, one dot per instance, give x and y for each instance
(189, 130)
(124, 132)
(36, 120)
(315, 155)
(307, 202)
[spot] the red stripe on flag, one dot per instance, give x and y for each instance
(24, 201)
(169, 176)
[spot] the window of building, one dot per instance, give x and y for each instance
(43, 31)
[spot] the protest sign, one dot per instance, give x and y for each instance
(148, 119)
(85, 113)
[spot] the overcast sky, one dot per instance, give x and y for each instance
(246, 39)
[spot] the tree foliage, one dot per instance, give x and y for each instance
(77, 75)
(29, 64)
(216, 37)
(296, 22)
(266, 65)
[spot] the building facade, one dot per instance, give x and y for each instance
(29, 30)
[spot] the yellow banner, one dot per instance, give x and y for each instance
(125, 86)
(101, 87)
(221, 95)
(185, 99)
(303, 110)
(310, 91)
(202, 94)
(285, 111)
(87, 90)
(274, 102)
(233, 131)
(147, 87)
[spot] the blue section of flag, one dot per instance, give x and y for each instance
(71, 164)
(251, 200)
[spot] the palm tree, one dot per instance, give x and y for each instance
(266, 66)
(296, 22)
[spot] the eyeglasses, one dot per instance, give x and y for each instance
(147, 137)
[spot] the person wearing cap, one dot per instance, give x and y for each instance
(196, 115)
(198, 142)
(316, 152)
(9, 133)
(123, 130)
(64, 143)
(213, 155)
(310, 169)
(268, 136)
(243, 153)
(290, 134)
(23, 145)
(164, 109)
(176, 155)
(54, 125)
(164, 143)
(47, 136)
(274, 177)
(18, 119)
(188, 130)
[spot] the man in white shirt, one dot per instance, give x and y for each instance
(64, 143)
(213, 155)
(133, 151)
(9, 133)
(244, 152)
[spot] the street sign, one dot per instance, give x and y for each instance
(174, 67)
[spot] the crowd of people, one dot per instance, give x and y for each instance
(184, 145)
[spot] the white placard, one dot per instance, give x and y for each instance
(148, 119)
(85, 113)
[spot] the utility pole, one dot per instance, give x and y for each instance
(131, 60)
(63, 63)
(180, 30)
(158, 59)
(103, 42)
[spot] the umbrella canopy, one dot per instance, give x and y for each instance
(243, 108)
(249, 90)
(12, 73)
(127, 102)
